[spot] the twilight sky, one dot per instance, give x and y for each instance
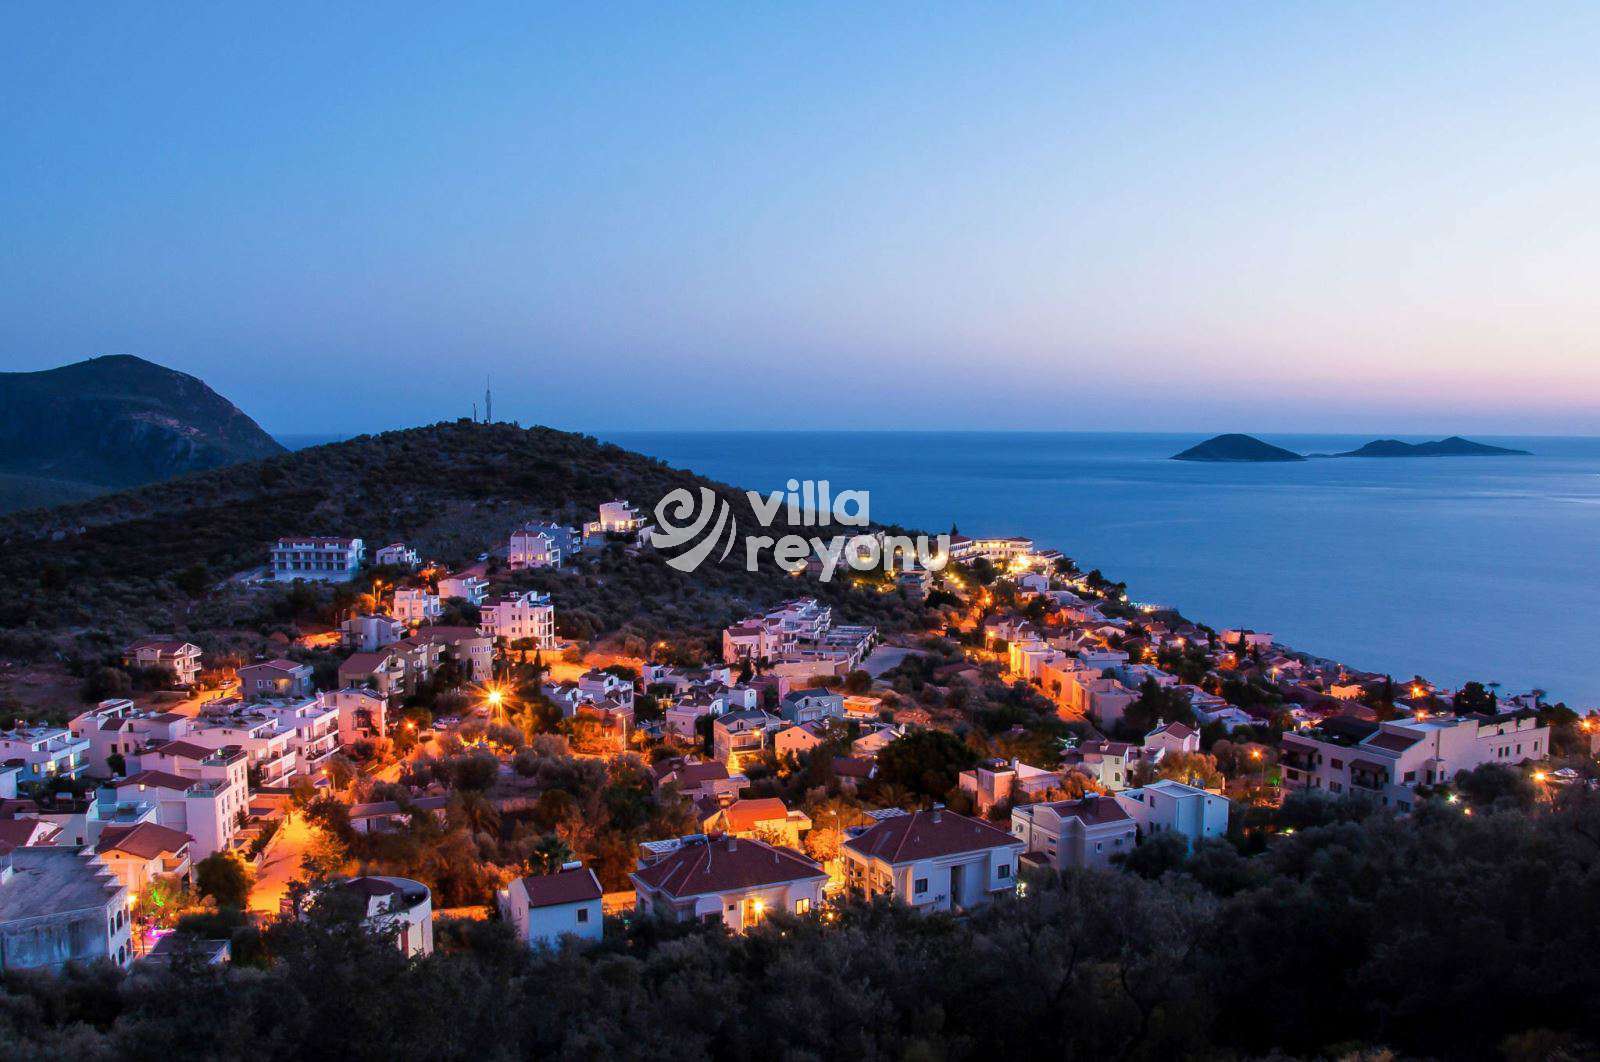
(1197, 217)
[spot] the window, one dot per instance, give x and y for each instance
(920, 886)
(1005, 870)
(583, 915)
(802, 905)
(1411, 776)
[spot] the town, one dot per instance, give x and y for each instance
(443, 752)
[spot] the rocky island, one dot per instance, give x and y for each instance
(1454, 446)
(1236, 448)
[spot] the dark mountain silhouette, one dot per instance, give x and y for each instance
(1236, 448)
(115, 421)
(1455, 446)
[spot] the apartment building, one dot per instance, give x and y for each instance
(44, 752)
(526, 615)
(180, 657)
(316, 558)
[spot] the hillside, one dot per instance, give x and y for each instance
(111, 422)
(1235, 447)
(84, 577)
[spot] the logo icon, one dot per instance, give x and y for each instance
(700, 524)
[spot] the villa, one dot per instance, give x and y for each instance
(932, 860)
(733, 880)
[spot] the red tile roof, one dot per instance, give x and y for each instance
(164, 779)
(566, 886)
(1092, 810)
(145, 840)
(186, 749)
(723, 864)
(927, 835)
(14, 833)
(744, 815)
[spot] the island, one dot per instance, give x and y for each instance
(1455, 446)
(1236, 448)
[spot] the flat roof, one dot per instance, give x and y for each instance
(48, 880)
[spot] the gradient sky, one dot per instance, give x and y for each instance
(1193, 217)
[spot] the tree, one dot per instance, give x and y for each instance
(925, 762)
(548, 855)
(1474, 697)
(1158, 855)
(223, 877)
(104, 683)
(858, 681)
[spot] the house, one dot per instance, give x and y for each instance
(316, 559)
(796, 738)
(1075, 833)
(524, 616)
(469, 588)
(1171, 737)
(701, 781)
(27, 833)
(616, 517)
(368, 632)
(61, 905)
(200, 796)
(44, 752)
(546, 909)
(306, 729)
(467, 646)
(416, 606)
(116, 728)
(766, 818)
(737, 737)
(999, 782)
(383, 672)
(394, 904)
(140, 853)
(799, 640)
(386, 816)
(733, 880)
(811, 705)
(538, 545)
(397, 555)
(874, 739)
(1167, 805)
(852, 771)
(276, 678)
(1387, 761)
(1109, 764)
(1233, 639)
(363, 714)
(180, 658)
(932, 860)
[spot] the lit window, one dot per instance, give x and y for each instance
(802, 905)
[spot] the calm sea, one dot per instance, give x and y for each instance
(1454, 568)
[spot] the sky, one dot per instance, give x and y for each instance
(1195, 217)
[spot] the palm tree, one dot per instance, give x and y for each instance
(549, 855)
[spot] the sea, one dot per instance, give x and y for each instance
(1453, 568)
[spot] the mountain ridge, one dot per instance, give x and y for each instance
(117, 421)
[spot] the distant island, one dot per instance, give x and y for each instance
(1237, 447)
(1455, 446)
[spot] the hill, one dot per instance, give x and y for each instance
(110, 422)
(1235, 447)
(85, 577)
(1455, 446)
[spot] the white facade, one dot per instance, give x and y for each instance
(1167, 805)
(396, 555)
(317, 559)
(1075, 833)
(518, 616)
(533, 547)
(61, 905)
(469, 588)
(416, 606)
(45, 751)
(931, 860)
(546, 909)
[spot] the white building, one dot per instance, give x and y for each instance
(179, 657)
(545, 909)
(1075, 833)
(517, 616)
(932, 860)
(469, 588)
(536, 545)
(368, 633)
(44, 752)
(616, 517)
(1387, 761)
(61, 905)
(1171, 738)
(276, 678)
(202, 797)
(363, 714)
(142, 852)
(316, 558)
(735, 881)
(416, 606)
(396, 555)
(400, 904)
(1167, 805)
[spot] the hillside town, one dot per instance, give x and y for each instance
(450, 748)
